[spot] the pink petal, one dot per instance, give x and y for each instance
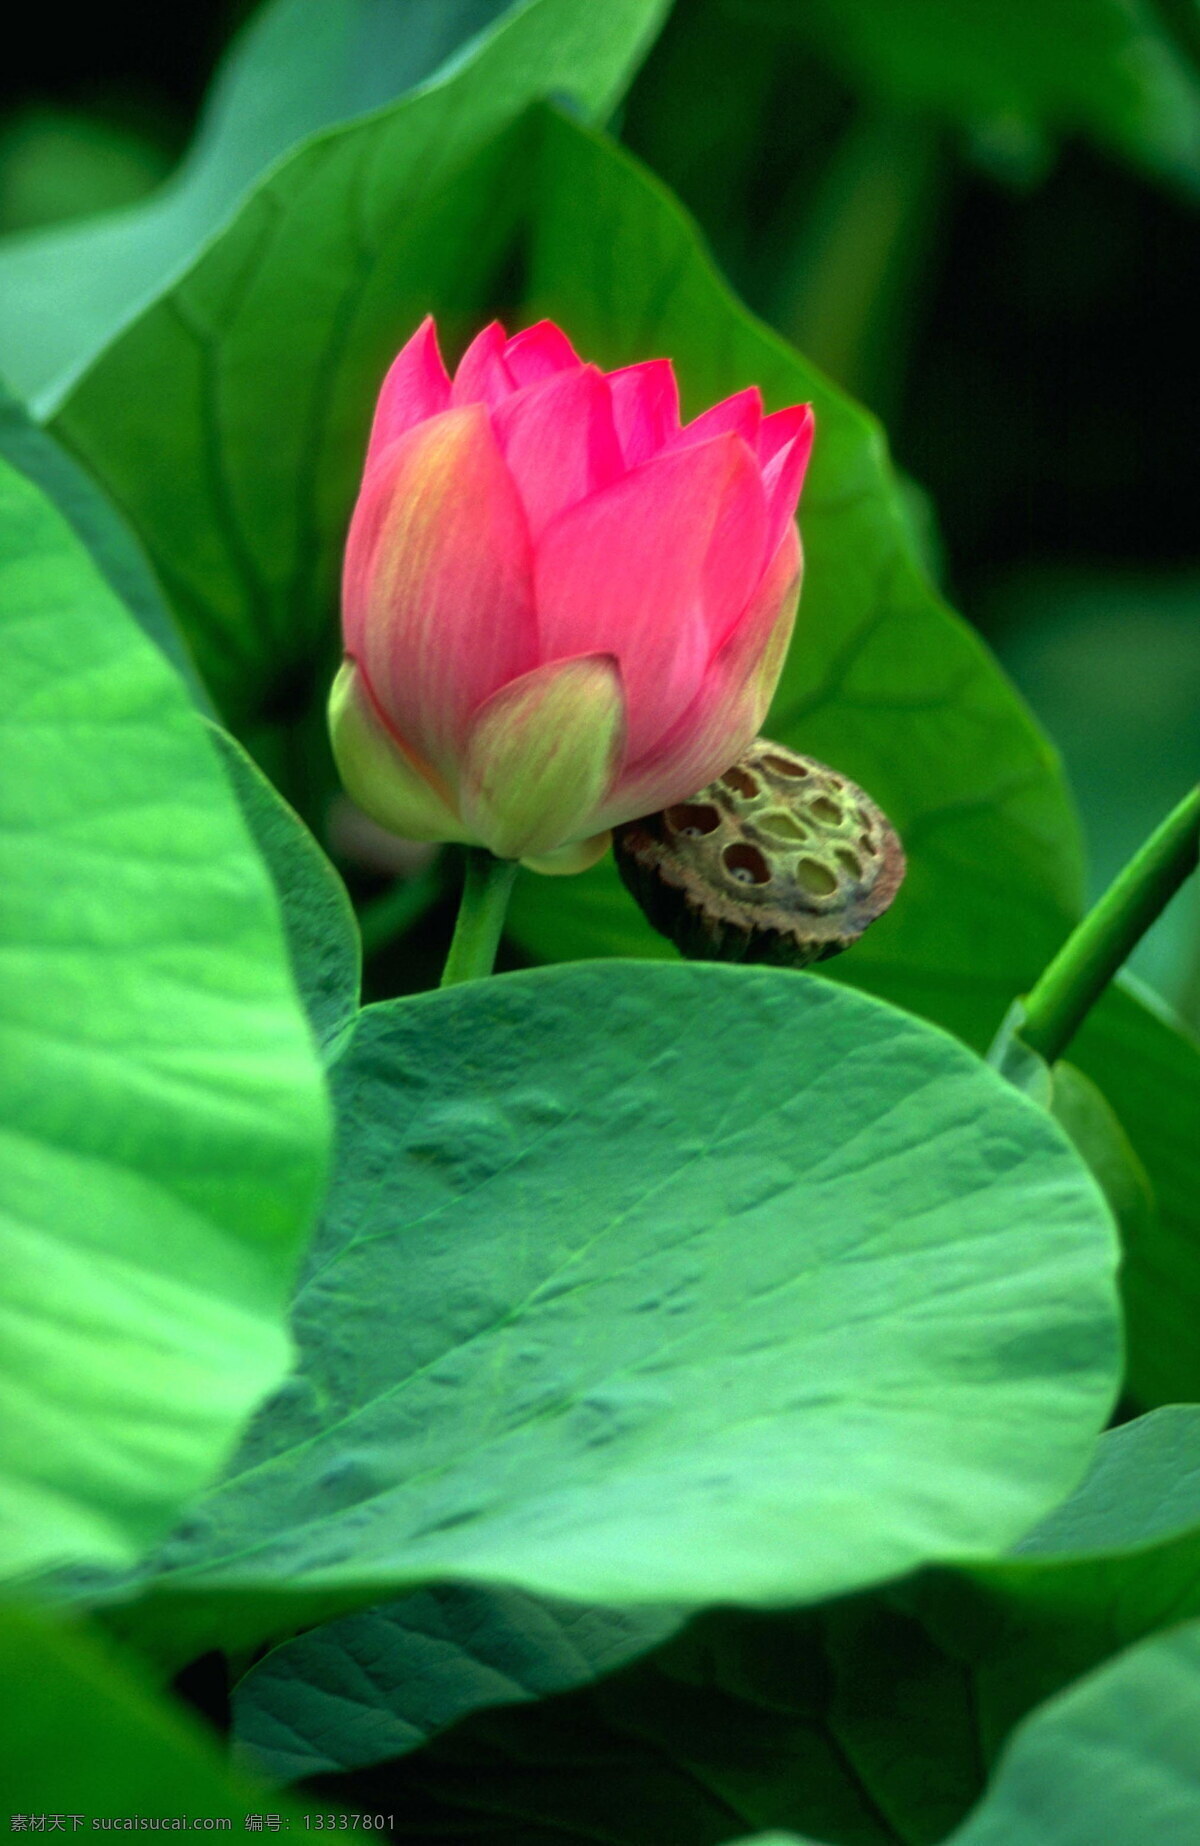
(559, 442)
(625, 571)
(483, 376)
(784, 446)
(417, 386)
(645, 401)
(730, 708)
(539, 352)
(782, 427)
(741, 413)
(437, 604)
(737, 550)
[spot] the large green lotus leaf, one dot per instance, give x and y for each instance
(1110, 68)
(1119, 1561)
(96, 523)
(1148, 1065)
(164, 1119)
(662, 1283)
(1141, 1489)
(872, 1718)
(1116, 1560)
(882, 680)
(377, 1684)
(299, 66)
(1113, 1760)
(80, 1737)
(254, 375)
(318, 918)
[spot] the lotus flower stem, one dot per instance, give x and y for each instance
(487, 887)
(1094, 952)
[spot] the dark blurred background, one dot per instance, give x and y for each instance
(1015, 299)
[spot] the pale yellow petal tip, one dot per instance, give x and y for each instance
(566, 860)
(540, 756)
(376, 772)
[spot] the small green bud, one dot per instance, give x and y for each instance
(781, 859)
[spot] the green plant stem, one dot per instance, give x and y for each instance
(1093, 953)
(487, 887)
(385, 918)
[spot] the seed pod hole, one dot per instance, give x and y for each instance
(783, 766)
(825, 810)
(746, 865)
(815, 878)
(740, 781)
(782, 825)
(848, 861)
(693, 819)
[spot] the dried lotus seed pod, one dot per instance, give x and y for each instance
(781, 859)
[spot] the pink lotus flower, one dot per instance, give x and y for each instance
(561, 609)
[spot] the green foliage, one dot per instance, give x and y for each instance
(318, 919)
(300, 66)
(1113, 668)
(67, 163)
(1017, 69)
(374, 1685)
(1128, 1036)
(1111, 665)
(1114, 1759)
(1148, 1066)
(286, 322)
(112, 547)
(78, 1735)
(605, 1305)
(165, 1126)
(871, 1719)
(685, 1352)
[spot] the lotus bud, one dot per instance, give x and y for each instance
(561, 607)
